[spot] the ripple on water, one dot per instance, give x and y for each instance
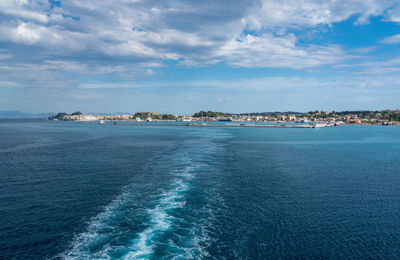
(103, 229)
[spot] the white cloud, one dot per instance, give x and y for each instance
(374, 68)
(196, 34)
(9, 84)
(106, 85)
(127, 39)
(50, 37)
(393, 14)
(31, 10)
(394, 39)
(280, 52)
(5, 56)
(350, 83)
(310, 13)
(363, 49)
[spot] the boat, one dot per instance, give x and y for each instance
(318, 125)
(101, 122)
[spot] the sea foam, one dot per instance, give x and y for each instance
(94, 243)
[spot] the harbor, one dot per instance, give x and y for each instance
(196, 124)
(312, 119)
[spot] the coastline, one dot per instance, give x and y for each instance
(230, 125)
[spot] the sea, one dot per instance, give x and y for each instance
(79, 190)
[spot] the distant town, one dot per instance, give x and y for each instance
(383, 117)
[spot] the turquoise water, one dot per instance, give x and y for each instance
(73, 190)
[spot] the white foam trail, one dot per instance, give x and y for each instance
(95, 232)
(202, 232)
(95, 243)
(160, 220)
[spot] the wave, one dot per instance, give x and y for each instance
(161, 222)
(102, 229)
(99, 231)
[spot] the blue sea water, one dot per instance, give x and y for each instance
(73, 190)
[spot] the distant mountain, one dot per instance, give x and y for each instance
(18, 114)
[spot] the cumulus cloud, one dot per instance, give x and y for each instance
(199, 33)
(24, 9)
(269, 51)
(310, 13)
(128, 39)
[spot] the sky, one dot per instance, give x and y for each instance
(175, 56)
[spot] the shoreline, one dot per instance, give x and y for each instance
(192, 124)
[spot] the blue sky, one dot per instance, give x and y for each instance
(182, 56)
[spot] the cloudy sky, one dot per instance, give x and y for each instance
(182, 56)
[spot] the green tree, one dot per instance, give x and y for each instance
(168, 117)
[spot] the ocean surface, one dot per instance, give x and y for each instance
(74, 190)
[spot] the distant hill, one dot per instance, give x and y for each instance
(18, 114)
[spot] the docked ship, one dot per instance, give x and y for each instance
(318, 125)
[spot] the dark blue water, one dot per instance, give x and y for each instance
(81, 191)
